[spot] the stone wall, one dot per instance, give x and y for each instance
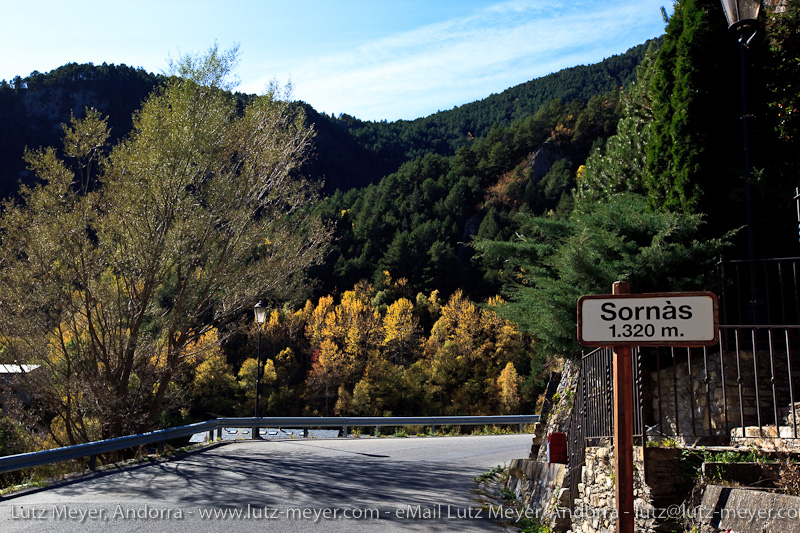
(595, 509)
(747, 511)
(541, 487)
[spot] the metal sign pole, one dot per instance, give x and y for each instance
(622, 321)
(623, 429)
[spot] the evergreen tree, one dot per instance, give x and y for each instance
(694, 90)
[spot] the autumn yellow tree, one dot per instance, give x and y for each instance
(401, 341)
(467, 350)
(459, 325)
(246, 379)
(509, 383)
(214, 387)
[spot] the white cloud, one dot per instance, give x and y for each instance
(460, 60)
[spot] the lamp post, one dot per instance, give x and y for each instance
(741, 16)
(260, 312)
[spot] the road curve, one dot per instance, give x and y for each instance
(298, 485)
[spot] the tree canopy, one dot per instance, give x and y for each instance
(118, 261)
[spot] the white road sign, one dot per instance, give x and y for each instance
(662, 319)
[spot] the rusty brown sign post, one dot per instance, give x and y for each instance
(622, 321)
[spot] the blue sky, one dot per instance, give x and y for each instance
(375, 60)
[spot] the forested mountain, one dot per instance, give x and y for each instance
(32, 109)
(381, 147)
(348, 152)
(625, 170)
(417, 223)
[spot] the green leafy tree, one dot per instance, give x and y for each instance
(109, 271)
(246, 380)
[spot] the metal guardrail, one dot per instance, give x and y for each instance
(93, 449)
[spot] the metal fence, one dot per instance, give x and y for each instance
(744, 388)
(93, 449)
(765, 291)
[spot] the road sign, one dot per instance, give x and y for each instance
(656, 319)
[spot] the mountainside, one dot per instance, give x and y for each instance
(383, 146)
(349, 152)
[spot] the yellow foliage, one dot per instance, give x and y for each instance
(343, 402)
(509, 383)
(353, 325)
(247, 373)
(460, 323)
(316, 319)
(213, 371)
(332, 366)
(399, 324)
(206, 345)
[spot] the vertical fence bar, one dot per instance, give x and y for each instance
(678, 431)
(796, 295)
(791, 385)
(739, 382)
(692, 400)
(765, 264)
(772, 382)
(738, 295)
(638, 371)
(707, 383)
(797, 201)
(781, 284)
(660, 395)
(755, 381)
(723, 290)
(724, 384)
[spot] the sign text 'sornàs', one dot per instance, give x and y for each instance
(664, 319)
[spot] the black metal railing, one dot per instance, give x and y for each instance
(744, 388)
(766, 291)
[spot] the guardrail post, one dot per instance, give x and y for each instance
(377, 431)
(433, 430)
(92, 462)
(305, 433)
(344, 431)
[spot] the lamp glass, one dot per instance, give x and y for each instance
(260, 312)
(737, 11)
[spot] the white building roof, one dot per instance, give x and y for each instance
(17, 369)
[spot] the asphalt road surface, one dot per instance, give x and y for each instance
(368, 484)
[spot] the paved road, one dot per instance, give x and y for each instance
(375, 484)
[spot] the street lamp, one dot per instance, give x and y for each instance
(742, 15)
(260, 312)
(741, 12)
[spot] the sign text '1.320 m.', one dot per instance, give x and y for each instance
(663, 319)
